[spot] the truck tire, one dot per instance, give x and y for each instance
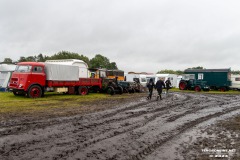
(83, 90)
(120, 90)
(197, 88)
(34, 91)
(222, 89)
(133, 90)
(111, 90)
(182, 85)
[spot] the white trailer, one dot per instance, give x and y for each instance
(179, 77)
(5, 74)
(235, 78)
(142, 79)
(83, 67)
(164, 77)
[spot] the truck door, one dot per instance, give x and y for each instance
(38, 75)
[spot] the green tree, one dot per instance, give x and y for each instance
(22, 59)
(112, 65)
(198, 67)
(8, 61)
(40, 58)
(100, 61)
(235, 72)
(169, 71)
(31, 59)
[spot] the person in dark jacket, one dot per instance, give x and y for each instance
(150, 86)
(168, 85)
(159, 86)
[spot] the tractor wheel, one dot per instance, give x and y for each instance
(222, 89)
(34, 91)
(197, 88)
(111, 90)
(183, 85)
(133, 90)
(83, 90)
(120, 90)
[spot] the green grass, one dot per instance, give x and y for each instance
(10, 103)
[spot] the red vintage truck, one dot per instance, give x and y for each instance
(34, 78)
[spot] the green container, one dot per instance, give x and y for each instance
(215, 78)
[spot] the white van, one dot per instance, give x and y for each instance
(142, 79)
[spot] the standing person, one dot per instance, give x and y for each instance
(150, 86)
(159, 85)
(168, 84)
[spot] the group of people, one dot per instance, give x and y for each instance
(158, 86)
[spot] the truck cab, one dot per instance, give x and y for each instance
(28, 75)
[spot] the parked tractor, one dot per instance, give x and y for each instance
(109, 85)
(128, 87)
(189, 83)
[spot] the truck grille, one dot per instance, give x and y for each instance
(13, 82)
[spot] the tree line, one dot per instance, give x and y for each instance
(179, 72)
(99, 61)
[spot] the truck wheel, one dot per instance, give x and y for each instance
(110, 90)
(197, 88)
(120, 90)
(222, 89)
(182, 85)
(133, 90)
(34, 91)
(83, 90)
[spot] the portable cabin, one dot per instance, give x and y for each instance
(5, 74)
(235, 78)
(216, 78)
(83, 67)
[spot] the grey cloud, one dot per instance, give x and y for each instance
(139, 35)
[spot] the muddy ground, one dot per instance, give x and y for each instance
(181, 126)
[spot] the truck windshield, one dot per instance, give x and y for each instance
(23, 68)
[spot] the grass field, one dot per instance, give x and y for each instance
(51, 101)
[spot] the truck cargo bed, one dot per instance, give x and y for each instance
(82, 82)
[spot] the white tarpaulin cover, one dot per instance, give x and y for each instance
(58, 72)
(83, 67)
(5, 74)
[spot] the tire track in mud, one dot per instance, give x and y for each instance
(180, 130)
(110, 119)
(26, 126)
(19, 146)
(174, 118)
(163, 111)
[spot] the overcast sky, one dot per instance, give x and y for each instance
(139, 35)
